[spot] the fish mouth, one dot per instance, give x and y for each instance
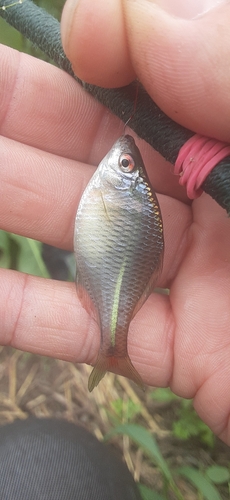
(127, 138)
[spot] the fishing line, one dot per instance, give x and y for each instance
(134, 106)
(4, 7)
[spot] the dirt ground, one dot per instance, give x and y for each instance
(44, 387)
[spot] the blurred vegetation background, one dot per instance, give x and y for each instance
(169, 450)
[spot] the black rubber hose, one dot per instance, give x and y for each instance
(149, 122)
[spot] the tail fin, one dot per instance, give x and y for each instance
(122, 366)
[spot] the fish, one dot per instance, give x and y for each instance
(119, 247)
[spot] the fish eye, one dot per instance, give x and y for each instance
(126, 162)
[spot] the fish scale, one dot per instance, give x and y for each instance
(118, 242)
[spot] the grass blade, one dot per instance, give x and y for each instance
(5, 258)
(147, 442)
(148, 494)
(201, 482)
(218, 474)
(30, 259)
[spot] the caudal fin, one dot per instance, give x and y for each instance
(122, 366)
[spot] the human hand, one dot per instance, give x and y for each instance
(52, 135)
(182, 340)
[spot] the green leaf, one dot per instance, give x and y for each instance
(125, 410)
(190, 424)
(218, 474)
(117, 406)
(29, 258)
(5, 258)
(183, 429)
(163, 395)
(146, 441)
(201, 482)
(148, 494)
(187, 405)
(71, 264)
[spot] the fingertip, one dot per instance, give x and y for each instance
(94, 40)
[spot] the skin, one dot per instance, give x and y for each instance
(52, 137)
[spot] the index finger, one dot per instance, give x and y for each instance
(43, 107)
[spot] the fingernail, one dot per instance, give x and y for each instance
(189, 9)
(66, 18)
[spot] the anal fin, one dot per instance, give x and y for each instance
(120, 365)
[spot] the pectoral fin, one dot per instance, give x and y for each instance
(122, 366)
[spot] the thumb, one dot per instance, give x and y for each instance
(183, 63)
(94, 39)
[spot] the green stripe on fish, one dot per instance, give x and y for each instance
(115, 309)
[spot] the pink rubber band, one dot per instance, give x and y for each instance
(195, 161)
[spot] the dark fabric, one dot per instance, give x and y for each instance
(47, 459)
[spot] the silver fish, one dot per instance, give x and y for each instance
(118, 243)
